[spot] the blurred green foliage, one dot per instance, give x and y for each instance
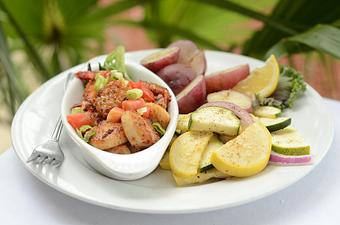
(56, 34)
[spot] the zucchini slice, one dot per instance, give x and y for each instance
(182, 123)
(267, 112)
(214, 119)
(213, 144)
(186, 152)
(276, 124)
(289, 142)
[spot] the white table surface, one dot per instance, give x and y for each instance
(313, 200)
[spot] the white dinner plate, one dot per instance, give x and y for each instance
(157, 192)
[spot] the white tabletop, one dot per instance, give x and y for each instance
(313, 200)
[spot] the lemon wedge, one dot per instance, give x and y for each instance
(262, 81)
(245, 155)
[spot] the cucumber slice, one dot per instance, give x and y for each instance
(267, 112)
(214, 119)
(213, 144)
(289, 142)
(276, 124)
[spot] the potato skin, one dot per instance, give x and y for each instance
(226, 79)
(161, 59)
(108, 135)
(177, 76)
(193, 96)
(138, 130)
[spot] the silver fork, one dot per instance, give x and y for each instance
(50, 152)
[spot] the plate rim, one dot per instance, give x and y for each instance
(61, 75)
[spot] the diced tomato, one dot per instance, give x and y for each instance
(148, 95)
(133, 104)
(105, 73)
(86, 75)
(138, 84)
(115, 114)
(147, 113)
(90, 75)
(79, 119)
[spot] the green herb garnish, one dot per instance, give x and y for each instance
(158, 127)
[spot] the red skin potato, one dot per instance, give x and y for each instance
(199, 62)
(193, 96)
(190, 54)
(226, 79)
(177, 76)
(187, 49)
(161, 59)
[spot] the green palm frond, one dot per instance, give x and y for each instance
(305, 14)
(324, 38)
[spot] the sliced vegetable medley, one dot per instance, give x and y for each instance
(230, 123)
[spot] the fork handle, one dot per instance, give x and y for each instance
(57, 130)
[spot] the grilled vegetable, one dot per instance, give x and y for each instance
(276, 124)
(199, 178)
(213, 145)
(267, 112)
(214, 119)
(286, 160)
(186, 152)
(289, 142)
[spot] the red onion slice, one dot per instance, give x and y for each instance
(285, 160)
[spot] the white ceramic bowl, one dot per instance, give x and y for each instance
(123, 167)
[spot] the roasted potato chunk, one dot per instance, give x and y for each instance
(159, 114)
(108, 135)
(120, 149)
(138, 130)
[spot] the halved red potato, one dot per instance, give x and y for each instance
(226, 79)
(161, 59)
(177, 76)
(190, 54)
(187, 49)
(235, 97)
(193, 96)
(198, 62)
